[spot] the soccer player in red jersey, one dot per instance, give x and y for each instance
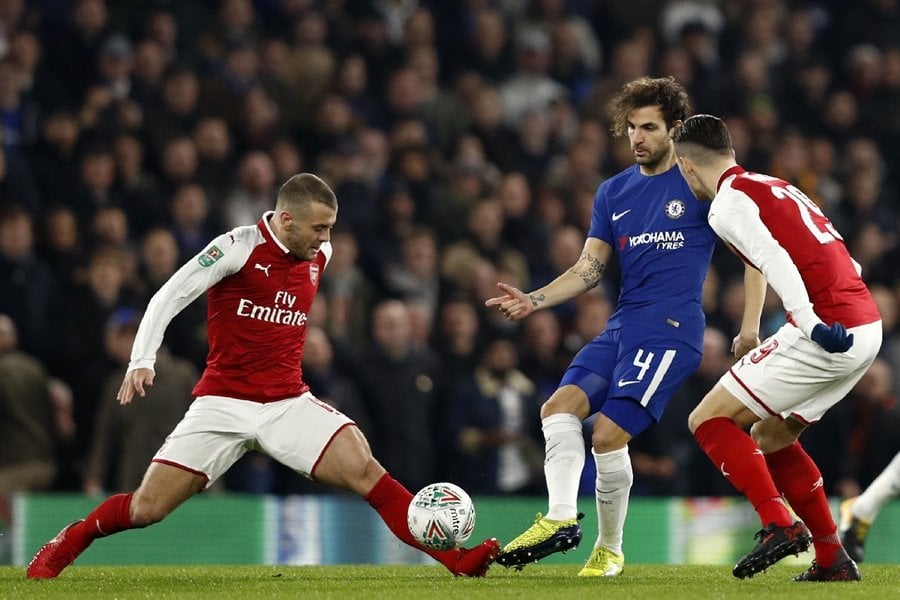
(261, 280)
(786, 383)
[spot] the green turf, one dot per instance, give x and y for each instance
(638, 582)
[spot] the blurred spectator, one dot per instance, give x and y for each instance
(575, 57)
(72, 51)
(498, 139)
(630, 58)
(177, 110)
(443, 112)
(33, 418)
(397, 217)
(420, 313)
(253, 190)
(544, 360)
(16, 183)
(115, 65)
(54, 158)
(487, 48)
(95, 190)
(191, 219)
(258, 120)
(41, 87)
(492, 446)
(125, 438)
(457, 338)
(150, 64)
(61, 246)
(233, 21)
(215, 155)
(484, 239)
(349, 292)
(29, 290)
(888, 303)
(83, 360)
(352, 82)
(179, 164)
(400, 387)
(522, 229)
(20, 112)
(135, 186)
(530, 89)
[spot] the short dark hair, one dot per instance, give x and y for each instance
(705, 131)
(302, 189)
(664, 92)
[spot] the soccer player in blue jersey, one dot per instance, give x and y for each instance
(648, 215)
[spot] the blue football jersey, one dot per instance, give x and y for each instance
(664, 243)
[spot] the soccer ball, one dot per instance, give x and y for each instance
(441, 516)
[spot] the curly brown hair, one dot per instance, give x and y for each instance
(664, 92)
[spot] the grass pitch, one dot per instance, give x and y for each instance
(638, 582)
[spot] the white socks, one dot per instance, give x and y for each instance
(614, 479)
(563, 462)
(882, 489)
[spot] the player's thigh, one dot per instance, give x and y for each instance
(347, 463)
(296, 432)
(214, 433)
(650, 367)
(789, 375)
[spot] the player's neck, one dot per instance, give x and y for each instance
(711, 175)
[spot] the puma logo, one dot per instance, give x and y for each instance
(264, 269)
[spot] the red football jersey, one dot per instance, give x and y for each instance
(776, 228)
(259, 297)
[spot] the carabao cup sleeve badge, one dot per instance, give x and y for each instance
(208, 258)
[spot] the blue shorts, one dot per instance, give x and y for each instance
(629, 375)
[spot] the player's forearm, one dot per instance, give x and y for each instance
(754, 297)
(579, 278)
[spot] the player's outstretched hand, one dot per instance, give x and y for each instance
(514, 303)
(832, 339)
(134, 382)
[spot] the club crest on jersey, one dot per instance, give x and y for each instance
(675, 209)
(314, 273)
(208, 258)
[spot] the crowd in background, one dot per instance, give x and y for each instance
(465, 141)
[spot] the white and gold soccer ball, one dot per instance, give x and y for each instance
(441, 516)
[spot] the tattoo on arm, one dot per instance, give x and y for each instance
(590, 269)
(536, 299)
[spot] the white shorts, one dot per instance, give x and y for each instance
(790, 375)
(216, 431)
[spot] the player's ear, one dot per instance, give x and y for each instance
(286, 219)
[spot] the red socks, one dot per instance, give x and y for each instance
(391, 500)
(799, 479)
(111, 516)
(741, 461)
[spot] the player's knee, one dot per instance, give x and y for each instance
(144, 512)
(695, 420)
(566, 401)
(771, 435)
